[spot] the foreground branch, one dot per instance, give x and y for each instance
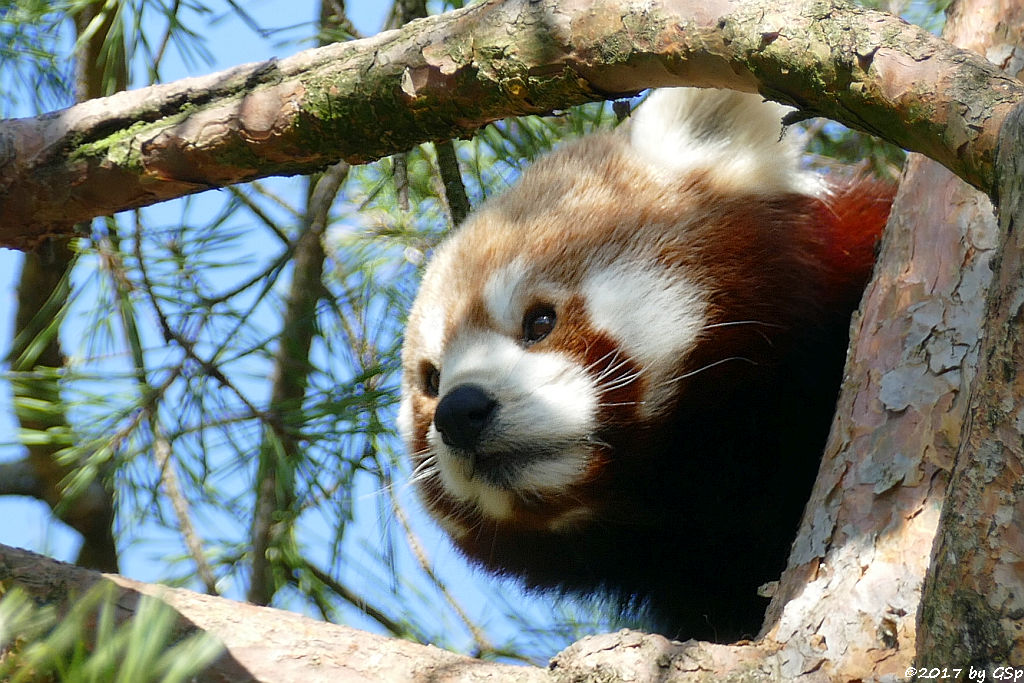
(265, 644)
(446, 76)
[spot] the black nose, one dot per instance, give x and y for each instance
(462, 415)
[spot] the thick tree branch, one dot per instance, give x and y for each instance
(265, 644)
(446, 76)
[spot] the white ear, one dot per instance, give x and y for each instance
(736, 137)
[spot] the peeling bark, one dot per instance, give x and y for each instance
(973, 608)
(851, 599)
(848, 602)
(447, 75)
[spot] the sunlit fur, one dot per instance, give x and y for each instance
(658, 441)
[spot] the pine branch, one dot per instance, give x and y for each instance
(280, 451)
(451, 179)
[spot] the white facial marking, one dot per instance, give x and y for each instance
(489, 500)
(406, 427)
(554, 473)
(431, 331)
(539, 391)
(653, 315)
(503, 295)
(429, 328)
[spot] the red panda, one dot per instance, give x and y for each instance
(619, 375)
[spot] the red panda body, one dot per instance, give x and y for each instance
(619, 375)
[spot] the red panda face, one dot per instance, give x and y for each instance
(520, 366)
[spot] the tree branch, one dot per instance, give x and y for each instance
(261, 644)
(19, 478)
(451, 178)
(447, 75)
(265, 644)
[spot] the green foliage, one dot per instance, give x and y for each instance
(38, 79)
(92, 643)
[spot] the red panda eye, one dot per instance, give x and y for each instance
(538, 323)
(431, 379)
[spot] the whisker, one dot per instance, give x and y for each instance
(423, 470)
(618, 384)
(736, 323)
(613, 353)
(425, 474)
(707, 367)
(610, 371)
(611, 364)
(732, 323)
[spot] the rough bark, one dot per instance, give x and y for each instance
(973, 605)
(445, 76)
(848, 602)
(851, 599)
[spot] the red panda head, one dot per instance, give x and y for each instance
(557, 331)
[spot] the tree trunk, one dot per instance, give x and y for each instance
(852, 596)
(973, 606)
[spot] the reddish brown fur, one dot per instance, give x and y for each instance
(855, 210)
